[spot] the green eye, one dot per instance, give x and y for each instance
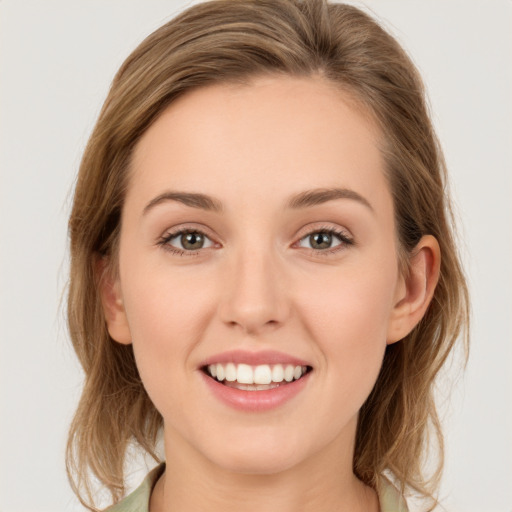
(324, 239)
(320, 240)
(186, 241)
(192, 241)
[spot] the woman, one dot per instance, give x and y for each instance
(263, 266)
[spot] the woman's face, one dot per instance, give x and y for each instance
(258, 236)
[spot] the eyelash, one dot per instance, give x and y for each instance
(164, 241)
(342, 236)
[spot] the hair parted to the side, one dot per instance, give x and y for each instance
(236, 40)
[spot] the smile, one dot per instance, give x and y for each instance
(255, 381)
(255, 378)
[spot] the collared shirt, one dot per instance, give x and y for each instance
(138, 501)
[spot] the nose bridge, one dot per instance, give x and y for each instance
(254, 297)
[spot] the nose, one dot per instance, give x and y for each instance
(254, 296)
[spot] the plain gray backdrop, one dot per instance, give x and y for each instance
(57, 58)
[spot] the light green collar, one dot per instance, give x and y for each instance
(138, 501)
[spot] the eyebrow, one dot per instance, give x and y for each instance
(191, 199)
(323, 195)
(304, 199)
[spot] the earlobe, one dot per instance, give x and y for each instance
(112, 302)
(416, 289)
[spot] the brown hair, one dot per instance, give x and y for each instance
(234, 40)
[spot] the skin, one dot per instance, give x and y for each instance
(258, 284)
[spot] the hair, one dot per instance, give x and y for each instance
(233, 41)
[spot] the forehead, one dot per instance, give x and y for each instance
(271, 138)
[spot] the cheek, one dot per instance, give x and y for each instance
(164, 305)
(166, 316)
(349, 320)
(353, 307)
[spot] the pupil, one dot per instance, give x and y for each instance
(320, 240)
(192, 241)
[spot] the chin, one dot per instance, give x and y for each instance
(246, 465)
(259, 455)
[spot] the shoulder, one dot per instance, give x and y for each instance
(138, 500)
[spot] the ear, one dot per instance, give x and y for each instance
(112, 302)
(416, 289)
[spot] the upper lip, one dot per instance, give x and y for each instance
(254, 358)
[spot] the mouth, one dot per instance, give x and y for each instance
(262, 377)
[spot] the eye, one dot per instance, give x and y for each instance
(186, 241)
(325, 239)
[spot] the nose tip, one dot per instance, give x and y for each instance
(254, 297)
(251, 318)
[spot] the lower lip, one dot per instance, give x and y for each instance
(255, 401)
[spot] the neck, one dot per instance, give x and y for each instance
(323, 483)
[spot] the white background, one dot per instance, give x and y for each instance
(57, 60)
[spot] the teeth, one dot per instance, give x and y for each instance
(220, 372)
(252, 387)
(255, 375)
(244, 374)
(278, 373)
(230, 372)
(262, 374)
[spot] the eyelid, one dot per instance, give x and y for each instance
(176, 231)
(326, 228)
(345, 237)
